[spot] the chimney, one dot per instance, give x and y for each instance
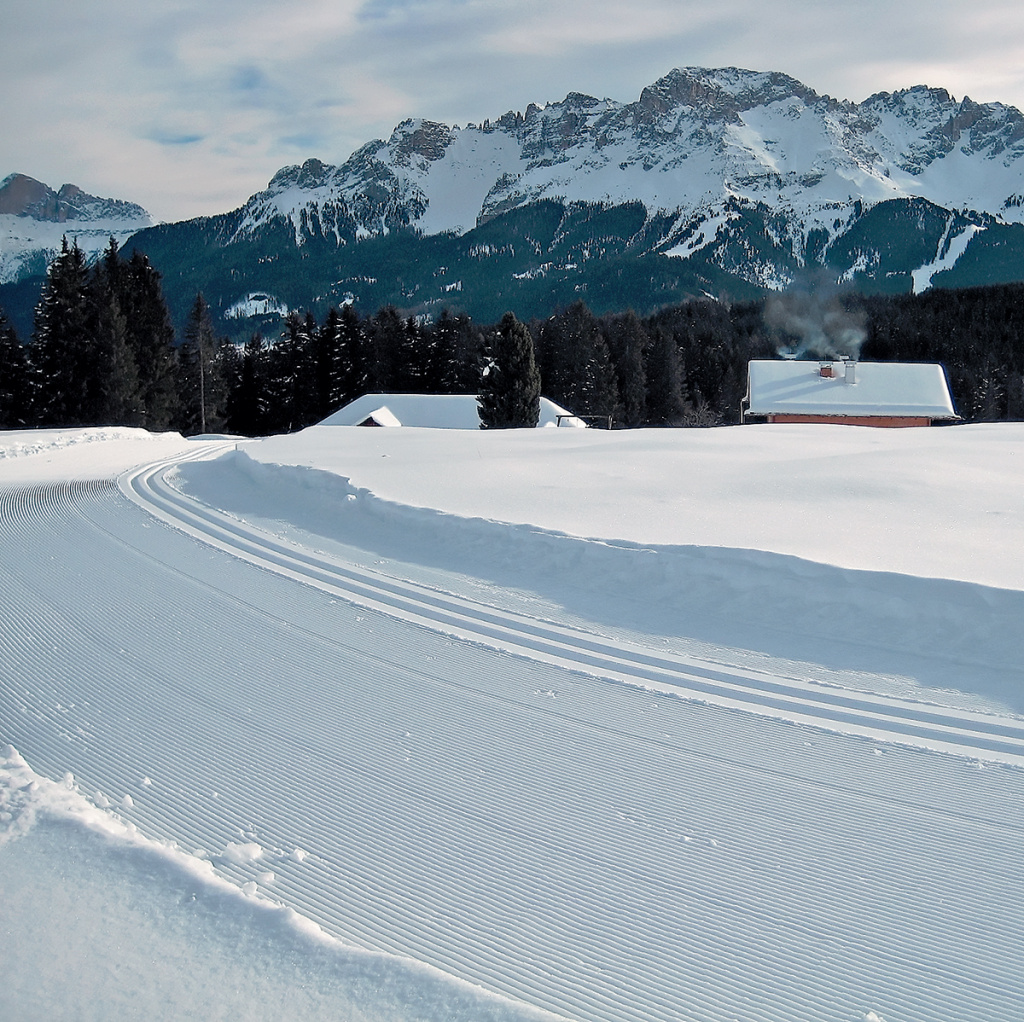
(825, 370)
(851, 371)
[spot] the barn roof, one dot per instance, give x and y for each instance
(798, 387)
(435, 411)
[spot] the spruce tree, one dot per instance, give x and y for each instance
(151, 337)
(664, 380)
(115, 398)
(291, 383)
(440, 341)
(353, 366)
(388, 343)
(15, 380)
(247, 407)
(198, 385)
(576, 365)
(327, 361)
(510, 389)
(628, 342)
(414, 361)
(456, 354)
(63, 352)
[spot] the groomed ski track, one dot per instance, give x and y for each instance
(597, 829)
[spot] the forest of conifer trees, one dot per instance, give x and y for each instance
(104, 352)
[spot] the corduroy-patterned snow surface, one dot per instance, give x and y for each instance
(493, 726)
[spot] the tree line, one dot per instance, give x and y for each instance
(104, 351)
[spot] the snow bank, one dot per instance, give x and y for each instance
(935, 503)
(89, 452)
(101, 923)
(811, 519)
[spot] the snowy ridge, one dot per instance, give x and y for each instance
(694, 144)
(967, 734)
(414, 991)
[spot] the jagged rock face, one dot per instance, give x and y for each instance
(312, 174)
(21, 195)
(426, 139)
(716, 95)
(943, 126)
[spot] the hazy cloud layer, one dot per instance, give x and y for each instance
(189, 107)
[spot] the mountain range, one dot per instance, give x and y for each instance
(724, 182)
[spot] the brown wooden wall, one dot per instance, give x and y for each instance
(889, 421)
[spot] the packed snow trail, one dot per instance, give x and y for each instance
(910, 722)
(600, 850)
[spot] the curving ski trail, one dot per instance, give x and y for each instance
(961, 731)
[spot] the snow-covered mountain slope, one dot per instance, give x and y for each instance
(694, 142)
(34, 218)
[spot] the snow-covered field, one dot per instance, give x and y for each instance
(421, 724)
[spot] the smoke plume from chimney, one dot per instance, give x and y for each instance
(813, 322)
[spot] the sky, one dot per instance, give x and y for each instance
(188, 107)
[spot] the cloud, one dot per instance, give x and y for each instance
(167, 138)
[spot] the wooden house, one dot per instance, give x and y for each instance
(847, 392)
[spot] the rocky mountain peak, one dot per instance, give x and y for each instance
(722, 93)
(24, 196)
(312, 174)
(20, 194)
(428, 139)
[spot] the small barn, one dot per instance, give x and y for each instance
(847, 392)
(432, 411)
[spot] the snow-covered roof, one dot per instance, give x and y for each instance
(435, 411)
(382, 416)
(797, 387)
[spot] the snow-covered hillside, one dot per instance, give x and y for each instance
(434, 724)
(34, 219)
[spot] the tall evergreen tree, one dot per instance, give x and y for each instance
(510, 389)
(456, 354)
(115, 397)
(15, 380)
(628, 342)
(198, 383)
(151, 337)
(63, 352)
(292, 379)
(576, 365)
(352, 379)
(664, 380)
(248, 411)
(327, 360)
(388, 343)
(415, 361)
(440, 341)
